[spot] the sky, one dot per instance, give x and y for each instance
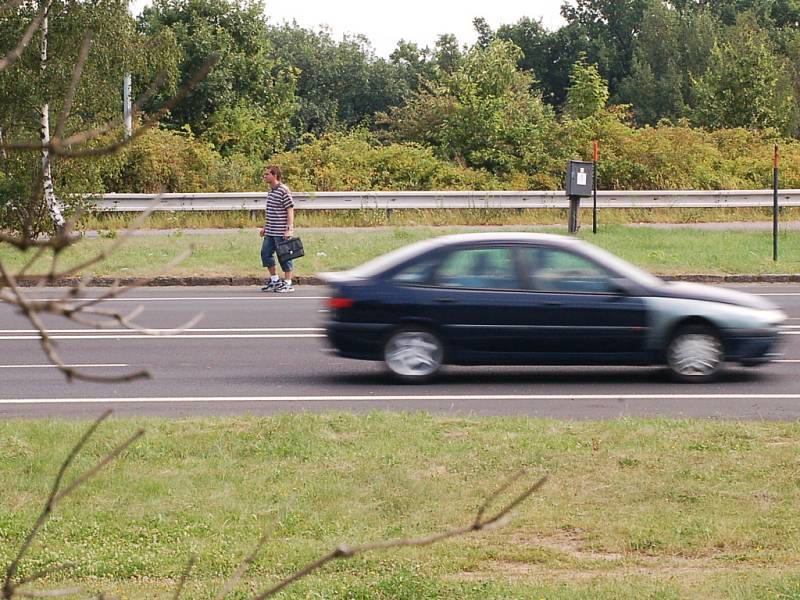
(421, 21)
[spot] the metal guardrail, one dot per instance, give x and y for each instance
(400, 200)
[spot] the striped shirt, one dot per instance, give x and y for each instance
(279, 201)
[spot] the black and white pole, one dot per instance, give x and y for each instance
(595, 156)
(126, 99)
(775, 204)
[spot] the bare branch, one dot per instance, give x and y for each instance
(12, 56)
(58, 145)
(57, 494)
(184, 577)
(234, 579)
(36, 256)
(480, 524)
(31, 311)
(50, 593)
(72, 305)
(492, 497)
(77, 72)
(44, 573)
(100, 464)
(11, 4)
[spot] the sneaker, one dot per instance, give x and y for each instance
(283, 287)
(270, 285)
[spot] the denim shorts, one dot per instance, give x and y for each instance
(268, 249)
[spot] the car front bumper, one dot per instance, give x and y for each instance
(752, 347)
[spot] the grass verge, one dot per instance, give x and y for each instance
(437, 217)
(633, 509)
(662, 251)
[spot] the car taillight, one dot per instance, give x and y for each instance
(339, 302)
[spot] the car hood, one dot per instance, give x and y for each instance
(698, 291)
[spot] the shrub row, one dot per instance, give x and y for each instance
(662, 157)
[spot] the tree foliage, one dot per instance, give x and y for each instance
(746, 84)
(588, 92)
(338, 83)
(247, 74)
(116, 48)
(484, 114)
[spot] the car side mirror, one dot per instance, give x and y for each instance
(621, 286)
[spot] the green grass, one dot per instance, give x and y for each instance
(437, 217)
(662, 251)
(633, 508)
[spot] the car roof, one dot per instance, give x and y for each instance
(502, 236)
(399, 256)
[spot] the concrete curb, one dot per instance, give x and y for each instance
(312, 280)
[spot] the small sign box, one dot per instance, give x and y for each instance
(579, 178)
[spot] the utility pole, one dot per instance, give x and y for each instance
(126, 110)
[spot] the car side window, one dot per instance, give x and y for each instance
(417, 273)
(479, 268)
(556, 270)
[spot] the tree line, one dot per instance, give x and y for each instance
(656, 81)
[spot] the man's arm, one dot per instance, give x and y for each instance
(289, 221)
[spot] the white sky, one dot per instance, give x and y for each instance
(421, 21)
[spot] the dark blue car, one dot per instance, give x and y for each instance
(537, 299)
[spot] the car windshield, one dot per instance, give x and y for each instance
(384, 262)
(625, 268)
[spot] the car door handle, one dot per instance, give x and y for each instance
(445, 300)
(552, 303)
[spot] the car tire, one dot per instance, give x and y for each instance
(413, 354)
(695, 354)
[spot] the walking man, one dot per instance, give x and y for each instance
(279, 225)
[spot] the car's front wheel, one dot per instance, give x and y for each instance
(413, 354)
(695, 353)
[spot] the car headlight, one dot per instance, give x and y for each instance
(774, 317)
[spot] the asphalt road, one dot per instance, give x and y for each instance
(255, 353)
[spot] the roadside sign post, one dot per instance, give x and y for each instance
(775, 204)
(580, 175)
(595, 156)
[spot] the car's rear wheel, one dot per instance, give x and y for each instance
(413, 354)
(695, 353)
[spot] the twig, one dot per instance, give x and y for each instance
(184, 577)
(344, 551)
(77, 71)
(34, 26)
(56, 495)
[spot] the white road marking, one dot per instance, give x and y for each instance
(453, 397)
(68, 366)
(200, 333)
(197, 329)
(262, 297)
(179, 336)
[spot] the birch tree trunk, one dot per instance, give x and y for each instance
(53, 204)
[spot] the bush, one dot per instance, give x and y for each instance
(355, 161)
(666, 156)
(163, 160)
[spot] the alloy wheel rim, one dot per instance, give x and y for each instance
(696, 354)
(414, 354)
